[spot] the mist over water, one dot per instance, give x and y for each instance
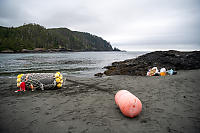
(69, 63)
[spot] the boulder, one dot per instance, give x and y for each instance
(98, 74)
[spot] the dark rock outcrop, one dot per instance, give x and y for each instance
(98, 74)
(169, 59)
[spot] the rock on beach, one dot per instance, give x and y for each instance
(172, 59)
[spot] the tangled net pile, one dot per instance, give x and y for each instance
(41, 80)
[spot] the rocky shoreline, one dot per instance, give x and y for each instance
(42, 50)
(171, 59)
(36, 50)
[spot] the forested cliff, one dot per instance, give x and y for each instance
(34, 36)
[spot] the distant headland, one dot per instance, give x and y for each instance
(35, 38)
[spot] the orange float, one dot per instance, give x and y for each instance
(162, 73)
(129, 104)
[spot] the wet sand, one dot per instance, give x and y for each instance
(170, 104)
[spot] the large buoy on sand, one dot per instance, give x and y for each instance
(129, 104)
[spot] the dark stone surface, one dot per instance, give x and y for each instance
(175, 60)
(98, 74)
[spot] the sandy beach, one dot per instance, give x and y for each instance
(170, 104)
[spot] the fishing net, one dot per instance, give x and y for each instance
(41, 80)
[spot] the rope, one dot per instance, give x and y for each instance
(41, 80)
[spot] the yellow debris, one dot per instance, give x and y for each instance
(18, 80)
(59, 85)
(57, 75)
(20, 75)
(18, 84)
(61, 81)
(61, 77)
(57, 80)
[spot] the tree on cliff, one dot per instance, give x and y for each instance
(30, 36)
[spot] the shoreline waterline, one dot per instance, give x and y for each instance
(69, 63)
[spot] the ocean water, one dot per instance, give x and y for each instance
(68, 63)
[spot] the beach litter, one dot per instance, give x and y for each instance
(163, 72)
(128, 103)
(33, 81)
(153, 72)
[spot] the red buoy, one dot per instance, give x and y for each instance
(129, 104)
(23, 86)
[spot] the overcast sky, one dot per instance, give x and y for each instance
(126, 24)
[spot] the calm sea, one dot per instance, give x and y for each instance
(69, 63)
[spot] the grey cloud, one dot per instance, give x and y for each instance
(126, 24)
